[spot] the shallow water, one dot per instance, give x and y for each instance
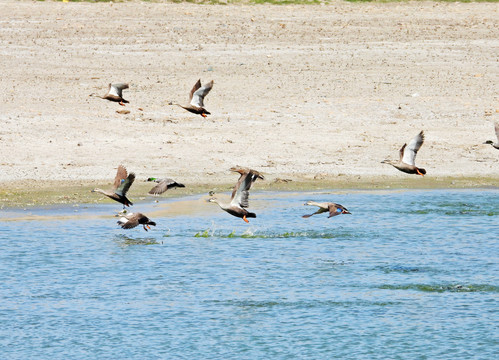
(409, 275)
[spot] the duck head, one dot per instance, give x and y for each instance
(420, 171)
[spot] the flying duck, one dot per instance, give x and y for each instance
(196, 98)
(163, 185)
(115, 93)
(239, 199)
(494, 144)
(407, 153)
(131, 220)
(332, 208)
(122, 183)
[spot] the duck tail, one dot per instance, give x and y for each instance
(127, 202)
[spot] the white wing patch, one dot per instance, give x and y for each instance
(199, 94)
(412, 149)
(122, 220)
(114, 91)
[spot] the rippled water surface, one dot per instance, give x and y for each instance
(409, 275)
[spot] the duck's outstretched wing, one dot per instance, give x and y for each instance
(196, 86)
(412, 149)
(120, 177)
(163, 185)
(199, 94)
(117, 89)
(337, 209)
(240, 193)
(320, 211)
(125, 185)
(129, 221)
(401, 152)
(323, 207)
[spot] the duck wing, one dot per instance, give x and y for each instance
(335, 209)
(132, 220)
(240, 193)
(320, 211)
(412, 149)
(163, 185)
(196, 86)
(120, 177)
(125, 185)
(199, 94)
(117, 89)
(401, 152)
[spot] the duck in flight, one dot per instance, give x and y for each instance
(196, 98)
(163, 185)
(239, 199)
(115, 93)
(407, 153)
(333, 208)
(494, 144)
(122, 183)
(131, 220)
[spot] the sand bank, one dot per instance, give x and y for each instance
(316, 94)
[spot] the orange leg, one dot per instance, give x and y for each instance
(244, 218)
(121, 103)
(203, 115)
(419, 173)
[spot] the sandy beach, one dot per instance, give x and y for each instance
(314, 94)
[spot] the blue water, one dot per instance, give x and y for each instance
(409, 275)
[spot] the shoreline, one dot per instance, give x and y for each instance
(22, 194)
(319, 102)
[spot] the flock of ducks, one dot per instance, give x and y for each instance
(237, 205)
(239, 200)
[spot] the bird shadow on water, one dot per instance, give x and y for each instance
(124, 241)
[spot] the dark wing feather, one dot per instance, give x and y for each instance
(401, 152)
(123, 188)
(243, 170)
(133, 221)
(121, 174)
(333, 210)
(497, 130)
(130, 224)
(164, 185)
(315, 213)
(196, 86)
